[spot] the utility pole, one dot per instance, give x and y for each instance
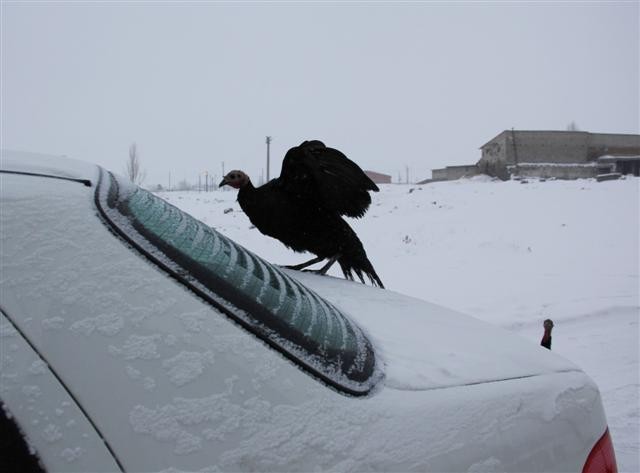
(268, 141)
(169, 180)
(515, 151)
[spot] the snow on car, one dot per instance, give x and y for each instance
(136, 338)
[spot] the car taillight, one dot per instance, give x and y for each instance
(602, 458)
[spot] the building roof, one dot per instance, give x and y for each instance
(608, 158)
(376, 173)
(532, 131)
(566, 132)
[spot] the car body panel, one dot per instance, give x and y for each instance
(148, 336)
(54, 425)
(172, 382)
(427, 346)
(39, 163)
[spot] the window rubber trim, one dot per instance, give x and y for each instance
(257, 331)
(85, 182)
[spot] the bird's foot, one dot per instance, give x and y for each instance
(300, 266)
(296, 267)
(326, 267)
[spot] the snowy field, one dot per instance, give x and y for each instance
(511, 254)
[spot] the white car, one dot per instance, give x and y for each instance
(136, 338)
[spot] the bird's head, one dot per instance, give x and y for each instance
(548, 324)
(235, 179)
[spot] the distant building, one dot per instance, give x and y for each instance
(560, 154)
(620, 164)
(552, 154)
(451, 173)
(378, 178)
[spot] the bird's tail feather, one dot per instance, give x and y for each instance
(360, 266)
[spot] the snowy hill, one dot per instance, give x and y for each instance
(509, 253)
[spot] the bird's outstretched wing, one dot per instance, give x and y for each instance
(326, 178)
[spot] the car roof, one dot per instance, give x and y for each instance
(47, 164)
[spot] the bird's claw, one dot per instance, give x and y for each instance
(290, 266)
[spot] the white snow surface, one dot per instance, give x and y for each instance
(507, 253)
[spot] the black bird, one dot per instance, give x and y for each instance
(546, 338)
(303, 208)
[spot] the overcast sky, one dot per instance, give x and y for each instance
(422, 85)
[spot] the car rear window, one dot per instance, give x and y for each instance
(264, 300)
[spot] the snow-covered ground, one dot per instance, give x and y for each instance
(509, 253)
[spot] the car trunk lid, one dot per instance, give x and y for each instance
(427, 346)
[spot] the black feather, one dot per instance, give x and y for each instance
(326, 177)
(303, 208)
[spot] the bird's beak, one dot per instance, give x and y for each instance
(223, 182)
